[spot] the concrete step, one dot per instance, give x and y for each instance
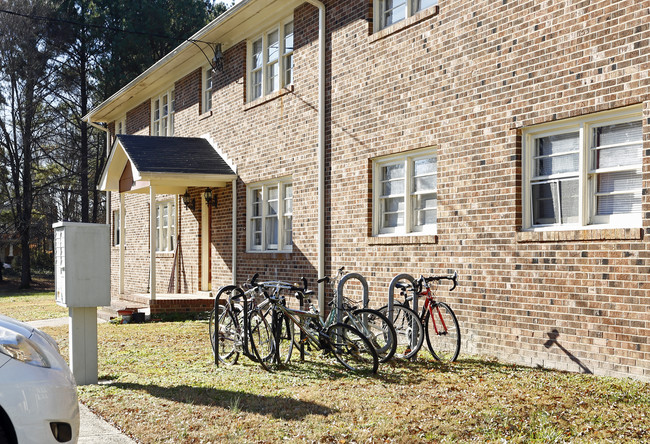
(117, 305)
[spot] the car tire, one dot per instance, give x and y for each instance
(7, 435)
(3, 436)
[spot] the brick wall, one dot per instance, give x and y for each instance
(465, 78)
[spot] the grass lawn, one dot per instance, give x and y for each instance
(35, 303)
(161, 385)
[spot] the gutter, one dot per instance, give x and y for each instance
(321, 152)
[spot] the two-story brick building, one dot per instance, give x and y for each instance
(507, 140)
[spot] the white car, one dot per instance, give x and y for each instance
(38, 393)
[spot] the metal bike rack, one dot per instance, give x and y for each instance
(216, 330)
(391, 296)
(339, 291)
(391, 293)
(216, 325)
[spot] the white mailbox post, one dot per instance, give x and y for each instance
(82, 283)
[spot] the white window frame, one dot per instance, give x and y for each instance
(162, 113)
(206, 104)
(117, 231)
(166, 233)
(283, 64)
(120, 126)
(409, 195)
(283, 216)
(412, 8)
(587, 174)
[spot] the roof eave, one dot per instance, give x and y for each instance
(138, 89)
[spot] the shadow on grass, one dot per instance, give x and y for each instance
(276, 406)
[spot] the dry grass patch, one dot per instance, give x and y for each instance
(161, 386)
(29, 305)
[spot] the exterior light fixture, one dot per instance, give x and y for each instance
(217, 61)
(189, 203)
(210, 197)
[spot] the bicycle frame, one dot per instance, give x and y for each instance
(428, 302)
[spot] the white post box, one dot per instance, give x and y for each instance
(82, 283)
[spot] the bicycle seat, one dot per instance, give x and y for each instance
(402, 286)
(308, 292)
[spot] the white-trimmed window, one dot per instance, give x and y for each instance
(405, 193)
(116, 228)
(165, 225)
(162, 114)
(270, 60)
(120, 125)
(584, 172)
(207, 89)
(270, 207)
(389, 12)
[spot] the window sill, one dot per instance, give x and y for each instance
(205, 115)
(273, 254)
(593, 234)
(403, 240)
(406, 23)
(164, 254)
(269, 97)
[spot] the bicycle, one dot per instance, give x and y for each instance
(353, 350)
(438, 319)
(409, 330)
(373, 324)
(234, 328)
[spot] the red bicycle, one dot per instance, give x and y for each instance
(439, 321)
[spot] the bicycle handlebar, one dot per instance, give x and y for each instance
(453, 278)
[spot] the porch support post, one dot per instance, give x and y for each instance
(122, 242)
(152, 242)
(234, 231)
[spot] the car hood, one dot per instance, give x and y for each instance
(17, 326)
(46, 342)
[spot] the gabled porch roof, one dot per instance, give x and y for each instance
(170, 164)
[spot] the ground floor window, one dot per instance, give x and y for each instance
(269, 216)
(165, 225)
(405, 193)
(116, 228)
(584, 171)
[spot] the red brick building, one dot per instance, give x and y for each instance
(505, 140)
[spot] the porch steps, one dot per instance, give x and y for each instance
(112, 311)
(164, 303)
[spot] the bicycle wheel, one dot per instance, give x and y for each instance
(352, 349)
(260, 337)
(229, 339)
(443, 332)
(283, 337)
(376, 327)
(410, 334)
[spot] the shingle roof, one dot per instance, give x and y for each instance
(187, 155)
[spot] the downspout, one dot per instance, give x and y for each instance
(321, 152)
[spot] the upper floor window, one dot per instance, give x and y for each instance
(270, 210)
(207, 90)
(405, 193)
(390, 12)
(585, 171)
(162, 114)
(270, 60)
(165, 225)
(120, 126)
